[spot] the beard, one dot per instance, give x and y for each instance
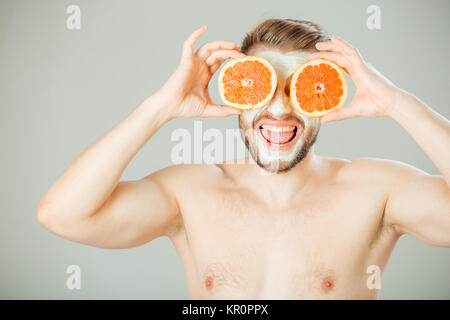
(277, 164)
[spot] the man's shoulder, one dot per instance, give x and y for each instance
(186, 174)
(375, 170)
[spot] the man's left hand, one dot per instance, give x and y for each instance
(375, 96)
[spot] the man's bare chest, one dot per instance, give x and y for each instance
(241, 246)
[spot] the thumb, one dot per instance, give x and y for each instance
(338, 114)
(216, 110)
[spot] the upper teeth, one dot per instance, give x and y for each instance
(278, 128)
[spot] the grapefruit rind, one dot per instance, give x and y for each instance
(293, 90)
(230, 64)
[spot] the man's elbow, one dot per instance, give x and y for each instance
(50, 216)
(54, 221)
(43, 214)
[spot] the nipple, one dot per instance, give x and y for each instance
(327, 284)
(209, 282)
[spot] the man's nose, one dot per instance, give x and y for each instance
(280, 103)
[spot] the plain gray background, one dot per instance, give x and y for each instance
(61, 90)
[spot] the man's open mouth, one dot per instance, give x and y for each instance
(279, 135)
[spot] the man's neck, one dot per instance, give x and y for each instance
(280, 187)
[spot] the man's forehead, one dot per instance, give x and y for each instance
(285, 63)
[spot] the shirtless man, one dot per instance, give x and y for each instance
(310, 229)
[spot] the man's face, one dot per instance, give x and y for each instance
(277, 136)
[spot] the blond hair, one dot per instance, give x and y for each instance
(285, 35)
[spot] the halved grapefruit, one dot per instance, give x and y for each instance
(317, 87)
(247, 83)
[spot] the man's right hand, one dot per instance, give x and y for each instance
(187, 88)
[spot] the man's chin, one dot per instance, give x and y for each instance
(280, 162)
(275, 165)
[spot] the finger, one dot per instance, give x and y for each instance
(337, 58)
(347, 47)
(329, 46)
(214, 110)
(338, 114)
(188, 46)
(205, 50)
(222, 55)
(214, 67)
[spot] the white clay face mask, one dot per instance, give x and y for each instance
(279, 108)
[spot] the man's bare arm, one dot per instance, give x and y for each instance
(88, 204)
(417, 203)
